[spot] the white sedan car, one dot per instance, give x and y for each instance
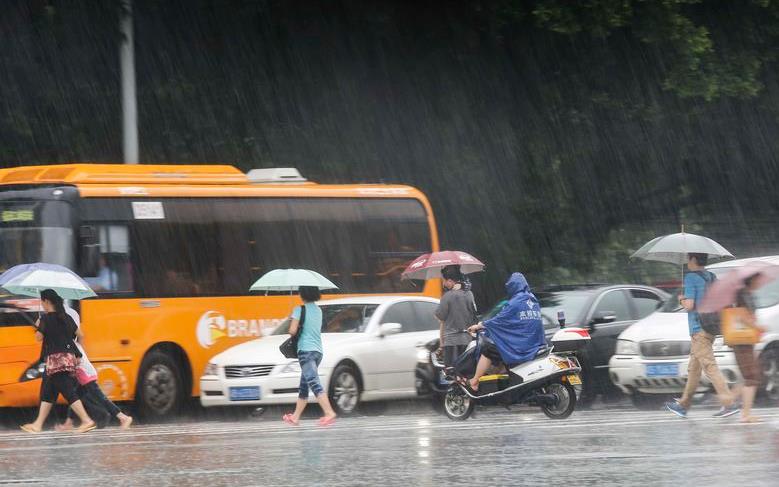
(651, 356)
(370, 353)
(650, 363)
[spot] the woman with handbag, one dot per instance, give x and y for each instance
(744, 349)
(306, 325)
(57, 330)
(95, 401)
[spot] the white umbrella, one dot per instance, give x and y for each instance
(67, 284)
(675, 247)
(291, 280)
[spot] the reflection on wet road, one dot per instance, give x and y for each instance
(621, 447)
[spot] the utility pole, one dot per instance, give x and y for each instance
(127, 66)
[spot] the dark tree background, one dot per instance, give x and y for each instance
(551, 136)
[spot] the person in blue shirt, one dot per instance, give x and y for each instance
(309, 357)
(696, 281)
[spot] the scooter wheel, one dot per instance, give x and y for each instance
(566, 400)
(457, 404)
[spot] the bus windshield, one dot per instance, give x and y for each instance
(35, 231)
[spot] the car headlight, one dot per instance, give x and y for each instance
(291, 368)
(211, 369)
(423, 355)
(626, 347)
(33, 372)
(719, 345)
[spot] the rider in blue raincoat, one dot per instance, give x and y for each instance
(517, 330)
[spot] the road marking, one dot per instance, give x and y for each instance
(527, 421)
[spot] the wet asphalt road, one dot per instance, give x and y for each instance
(604, 448)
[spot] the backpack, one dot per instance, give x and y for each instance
(710, 322)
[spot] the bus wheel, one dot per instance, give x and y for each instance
(160, 388)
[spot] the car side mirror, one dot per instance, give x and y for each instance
(604, 317)
(390, 329)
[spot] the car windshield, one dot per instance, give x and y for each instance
(672, 303)
(570, 302)
(339, 318)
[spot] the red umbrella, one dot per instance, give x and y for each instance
(429, 266)
(725, 289)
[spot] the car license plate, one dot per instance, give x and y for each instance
(574, 380)
(245, 393)
(662, 370)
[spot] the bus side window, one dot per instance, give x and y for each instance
(253, 237)
(395, 232)
(113, 273)
(178, 255)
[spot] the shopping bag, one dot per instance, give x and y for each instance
(736, 329)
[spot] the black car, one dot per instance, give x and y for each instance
(605, 310)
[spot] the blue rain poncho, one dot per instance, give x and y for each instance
(517, 329)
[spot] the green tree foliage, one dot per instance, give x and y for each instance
(551, 136)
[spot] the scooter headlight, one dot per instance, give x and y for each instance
(423, 355)
(626, 347)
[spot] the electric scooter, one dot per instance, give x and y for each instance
(546, 381)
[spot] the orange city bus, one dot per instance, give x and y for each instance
(171, 251)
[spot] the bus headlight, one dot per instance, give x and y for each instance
(34, 371)
(211, 369)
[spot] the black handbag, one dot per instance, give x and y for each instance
(290, 346)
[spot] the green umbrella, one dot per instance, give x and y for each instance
(67, 284)
(291, 280)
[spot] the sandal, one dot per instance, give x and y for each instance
(290, 419)
(751, 420)
(27, 428)
(325, 421)
(86, 428)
